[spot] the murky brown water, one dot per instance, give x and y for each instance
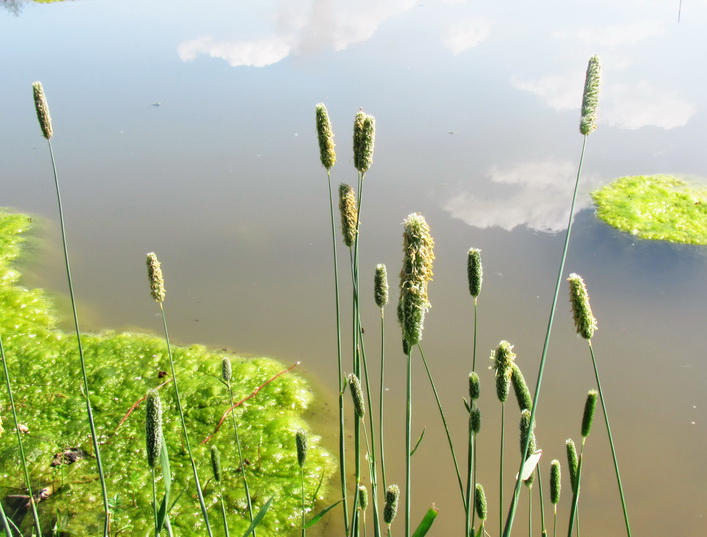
(188, 129)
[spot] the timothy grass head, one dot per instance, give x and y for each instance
(153, 428)
(216, 463)
(392, 495)
(474, 271)
(325, 135)
(584, 320)
(474, 385)
(363, 141)
(349, 213)
(525, 401)
(590, 98)
(226, 370)
(572, 461)
(480, 502)
(555, 482)
(588, 416)
(362, 497)
(357, 395)
(503, 360)
(40, 104)
(476, 420)
(154, 273)
(380, 286)
(302, 443)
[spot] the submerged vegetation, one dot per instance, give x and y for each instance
(657, 207)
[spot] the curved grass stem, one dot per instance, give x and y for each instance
(240, 462)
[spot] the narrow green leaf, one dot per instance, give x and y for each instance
(321, 513)
(167, 478)
(417, 444)
(259, 517)
(481, 529)
(466, 404)
(319, 485)
(426, 523)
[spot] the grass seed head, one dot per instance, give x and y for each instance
(380, 286)
(325, 135)
(226, 370)
(584, 320)
(40, 104)
(480, 502)
(357, 395)
(363, 141)
(153, 428)
(476, 420)
(362, 497)
(349, 213)
(590, 98)
(525, 431)
(392, 495)
(154, 273)
(572, 462)
(474, 271)
(525, 402)
(474, 385)
(588, 416)
(216, 463)
(555, 482)
(302, 442)
(503, 358)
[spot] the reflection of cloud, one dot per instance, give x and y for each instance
(624, 106)
(327, 24)
(537, 194)
(465, 35)
(616, 36)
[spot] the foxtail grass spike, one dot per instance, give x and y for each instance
(590, 98)
(418, 255)
(325, 135)
(154, 273)
(302, 442)
(503, 358)
(555, 482)
(588, 416)
(474, 386)
(392, 495)
(572, 461)
(153, 428)
(357, 395)
(474, 271)
(480, 502)
(363, 141)
(525, 402)
(349, 214)
(476, 420)
(226, 370)
(584, 320)
(525, 431)
(40, 104)
(362, 497)
(216, 463)
(380, 286)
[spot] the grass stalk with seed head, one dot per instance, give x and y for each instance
(45, 124)
(153, 443)
(586, 324)
(380, 293)
(392, 497)
(475, 278)
(325, 136)
(502, 359)
(587, 420)
(157, 290)
(472, 429)
(590, 101)
(302, 444)
(216, 467)
(555, 489)
(480, 506)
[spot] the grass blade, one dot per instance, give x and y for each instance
(426, 523)
(316, 518)
(259, 517)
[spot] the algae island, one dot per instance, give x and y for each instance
(657, 207)
(45, 375)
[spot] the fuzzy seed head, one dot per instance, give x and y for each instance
(392, 495)
(525, 402)
(480, 502)
(363, 141)
(302, 442)
(476, 420)
(572, 462)
(226, 370)
(474, 271)
(590, 98)
(555, 482)
(474, 385)
(349, 213)
(584, 320)
(380, 286)
(216, 463)
(40, 104)
(418, 255)
(588, 416)
(503, 358)
(154, 273)
(356, 395)
(525, 431)
(153, 428)
(362, 497)
(325, 135)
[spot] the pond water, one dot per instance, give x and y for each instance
(187, 128)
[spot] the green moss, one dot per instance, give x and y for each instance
(658, 207)
(45, 373)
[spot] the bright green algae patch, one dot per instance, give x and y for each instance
(45, 373)
(659, 207)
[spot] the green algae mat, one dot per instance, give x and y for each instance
(45, 374)
(658, 207)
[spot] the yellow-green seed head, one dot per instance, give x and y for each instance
(502, 359)
(480, 502)
(555, 482)
(525, 402)
(40, 104)
(363, 141)
(153, 428)
(590, 98)
(572, 461)
(525, 431)
(357, 395)
(154, 273)
(349, 213)
(325, 135)
(362, 497)
(476, 420)
(216, 463)
(418, 256)
(380, 286)
(588, 416)
(226, 370)
(584, 320)
(302, 442)
(474, 385)
(474, 271)
(392, 495)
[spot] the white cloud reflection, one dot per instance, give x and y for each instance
(617, 35)
(534, 194)
(466, 34)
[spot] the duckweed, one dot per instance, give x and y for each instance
(658, 207)
(45, 373)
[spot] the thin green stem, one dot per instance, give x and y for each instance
(154, 501)
(611, 440)
(223, 514)
(408, 441)
(500, 480)
(89, 410)
(530, 511)
(301, 473)
(469, 502)
(575, 495)
(536, 398)
(23, 459)
(241, 460)
(543, 529)
(5, 523)
(200, 494)
(381, 421)
(473, 362)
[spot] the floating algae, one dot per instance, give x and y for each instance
(658, 207)
(45, 373)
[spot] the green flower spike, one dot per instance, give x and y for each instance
(392, 495)
(357, 395)
(480, 502)
(476, 420)
(555, 482)
(302, 446)
(362, 497)
(525, 402)
(572, 461)
(590, 98)
(474, 271)
(154, 273)
(226, 370)
(153, 428)
(216, 463)
(349, 213)
(380, 286)
(503, 358)
(325, 136)
(40, 104)
(363, 141)
(588, 416)
(584, 320)
(474, 385)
